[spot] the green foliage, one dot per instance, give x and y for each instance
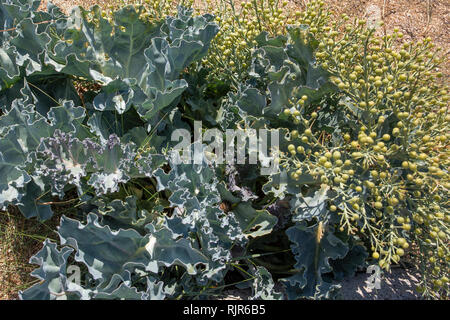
(362, 164)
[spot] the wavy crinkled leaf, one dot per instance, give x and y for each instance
(121, 287)
(346, 267)
(62, 159)
(65, 159)
(12, 12)
(314, 249)
(124, 214)
(118, 95)
(192, 185)
(250, 102)
(165, 63)
(103, 251)
(308, 207)
(22, 130)
(52, 271)
(190, 37)
(28, 125)
(288, 71)
(68, 118)
(106, 252)
(114, 161)
(264, 287)
(216, 233)
(12, 177)
(30, 45)
(102, 51)
(32, 203)
(191, 27)
(132, 49)
(165, 251)
(254, 223)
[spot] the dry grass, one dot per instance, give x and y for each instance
(21, 238)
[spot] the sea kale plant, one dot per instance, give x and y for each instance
(90, 102)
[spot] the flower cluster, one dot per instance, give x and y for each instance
(389, 162)
(240, 24)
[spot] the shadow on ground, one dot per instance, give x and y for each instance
(399, 284)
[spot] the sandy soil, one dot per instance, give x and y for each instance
(417, 19)
(399, 284)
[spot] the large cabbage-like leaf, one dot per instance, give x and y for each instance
(264, 287)
(52, 271)
(314, 205)
(190, 37)
(12, 177)
(254, 223)
(103, 51)
(106, 252)
(346, 267)
(314, 248)
(124, 214)
(147, 57)
(32, 203)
